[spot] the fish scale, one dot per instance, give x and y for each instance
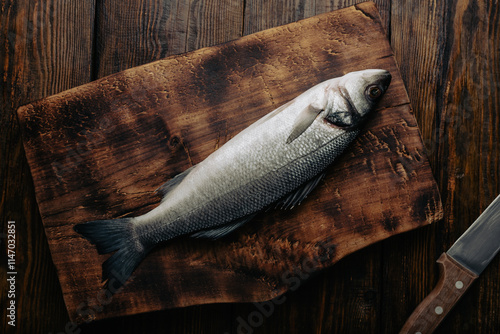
(277, 160)
(258, 195)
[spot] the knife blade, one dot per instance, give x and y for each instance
(459, 267)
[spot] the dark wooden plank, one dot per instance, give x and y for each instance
(97, 170)
(449, 59)
(36, 60)
(409, 273)
(343, 299)
(151, 30)
(264, 14)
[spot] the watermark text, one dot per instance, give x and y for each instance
(11, 273)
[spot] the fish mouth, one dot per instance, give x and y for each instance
(385, 80)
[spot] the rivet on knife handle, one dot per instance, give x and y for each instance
(454, 280)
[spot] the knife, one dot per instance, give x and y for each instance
(458, 267)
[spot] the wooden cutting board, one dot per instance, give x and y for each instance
(100, 150)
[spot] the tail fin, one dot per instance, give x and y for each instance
(114, 235)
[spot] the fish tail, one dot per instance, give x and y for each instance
(114, 235)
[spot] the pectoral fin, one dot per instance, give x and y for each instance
(303, 121)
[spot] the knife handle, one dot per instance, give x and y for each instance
(454, 280)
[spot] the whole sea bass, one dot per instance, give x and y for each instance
(276, 161)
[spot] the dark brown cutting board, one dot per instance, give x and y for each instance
(100, 150)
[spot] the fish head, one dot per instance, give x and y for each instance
(341, 102)
(353, 96)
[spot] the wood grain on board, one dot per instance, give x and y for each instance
(448, 57)
(100, 150)
(35, 61)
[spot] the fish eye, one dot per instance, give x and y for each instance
(373, 92)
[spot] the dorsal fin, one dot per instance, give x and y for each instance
(170, 185)
(270, 115)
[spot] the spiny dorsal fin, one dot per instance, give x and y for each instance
(296, 197)
(173, 182)
(303, 121)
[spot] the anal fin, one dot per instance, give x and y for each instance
(221, 231)
(297, 196)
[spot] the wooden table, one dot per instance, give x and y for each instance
(449, 59)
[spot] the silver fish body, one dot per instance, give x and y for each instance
(277, 160)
